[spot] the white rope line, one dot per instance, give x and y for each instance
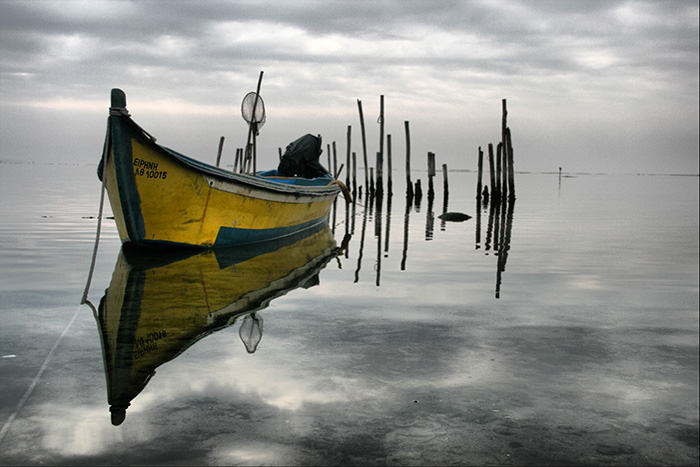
(105, 150)
(97, 242)
(83, 300)
(38, 376)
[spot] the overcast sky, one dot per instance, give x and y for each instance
(591, 86)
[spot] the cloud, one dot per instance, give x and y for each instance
(445, 66)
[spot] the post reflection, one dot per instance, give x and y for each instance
(507, 210)
(493, 238)
(445, 201)
(477, 230)
(158, 304)
(429, 220)
(406, 222)
(378, 236)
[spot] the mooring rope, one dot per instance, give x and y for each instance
(103, 166)
(83, 300)
(38, 376)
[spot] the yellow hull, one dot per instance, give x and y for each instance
(160, 197)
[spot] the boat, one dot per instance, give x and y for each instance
(160, 197)
(160, 304)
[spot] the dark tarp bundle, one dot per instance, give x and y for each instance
(300, 159)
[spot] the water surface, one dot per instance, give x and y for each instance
(562, 331)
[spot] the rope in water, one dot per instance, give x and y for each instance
(20, 404)
(5, 428)
(103, 165)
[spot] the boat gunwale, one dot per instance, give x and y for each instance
(207, 170)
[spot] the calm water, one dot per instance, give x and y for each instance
(417, 344)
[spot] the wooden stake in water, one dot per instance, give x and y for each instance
(347, 158)
(445, 184)
(480, 167)
(335, 161)
(364, 140)
(499, 152)
(236, 160)
(380, 154)
(409, 185)
(388, 164)
(431, 174)
(508, 181)
(511, 169)
(504, 123)
(380, 174)
(328, 151)
(354, 174)
(218, 154)
(504, 175)
(492, 171)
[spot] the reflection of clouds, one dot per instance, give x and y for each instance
(277, 376)
(288, 386)
(586, 281)
(255, 453)
(70, 430)
(369, 364)
(403, 389)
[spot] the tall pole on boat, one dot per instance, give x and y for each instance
(253, 123)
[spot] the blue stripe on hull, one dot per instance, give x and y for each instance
(229, 236)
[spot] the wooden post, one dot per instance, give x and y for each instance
(379, 185)
(279, 152)
(371, 181)
(409, 185)
(431, 174)
(236, 160)
(445, 194)
(218, 154)
(335, 161)
(246, 158)
(445, 184)
(364, 140)
(504, 123)
(388, 164)
(560, 178)
(354, 173)
(511, 169)
(480, 167)
(381, 124)
(504, 175)
(499, 151)
(492, 171)
(328, 151)
(504, 128)
(380, 154)
(347, 159)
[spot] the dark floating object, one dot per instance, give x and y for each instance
(454, 216)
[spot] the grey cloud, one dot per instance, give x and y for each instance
(565, 56)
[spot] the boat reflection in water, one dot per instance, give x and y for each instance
(159, 304)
